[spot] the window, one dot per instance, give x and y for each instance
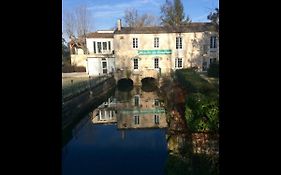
(156, 63)
(156, 42)
(109, 47)
(136, 63)
(178, 43)
(213, 60)
(135, 42)
(178, 63)
(156, 119)
(104, 67)
(99, 47)
(94, 46)
(213, 42)
(137, 119)
(104, 44)
(137, 100)
(156, 102)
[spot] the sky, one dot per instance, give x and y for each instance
(104, 13)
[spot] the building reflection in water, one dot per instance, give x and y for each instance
(132, 110)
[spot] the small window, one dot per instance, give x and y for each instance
(135, 42)
(178, 43)
(156, 42)
(156, 63)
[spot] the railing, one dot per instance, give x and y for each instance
(76, 88)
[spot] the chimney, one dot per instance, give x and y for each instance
(119, 26)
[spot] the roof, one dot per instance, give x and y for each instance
(99, 35)
(191, 27)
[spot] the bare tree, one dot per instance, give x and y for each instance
(83, 17)
(132, 19)
(69, 23)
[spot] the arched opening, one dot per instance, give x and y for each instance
(125, 84)
(149, 84)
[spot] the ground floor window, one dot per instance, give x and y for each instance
(156, 63)
(156, 119)
(178, 63)
(136, 63)
(213, 60)
(104, 67)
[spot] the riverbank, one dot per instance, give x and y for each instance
(190, 151)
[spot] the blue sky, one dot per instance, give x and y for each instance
(106, 12)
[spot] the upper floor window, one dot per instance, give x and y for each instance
(109, 46)
(156, 42)
(94, 43)
(178, 42)
(135, 42)
(213, 42)
(156, 63)
(99, 47)
(178, 63)
(104, 44)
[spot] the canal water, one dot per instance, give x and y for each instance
(125, 135)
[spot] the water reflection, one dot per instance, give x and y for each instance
(131, 110)
(125, 135)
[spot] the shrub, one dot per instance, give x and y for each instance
(213, 70)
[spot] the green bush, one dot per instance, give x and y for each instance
(213, 70)
(202, 113)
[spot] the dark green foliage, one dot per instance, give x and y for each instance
(202, 113)
(214, 17)
(202, 104)
(176, 166)
(173, 14)
(213, 70)
(197, 164)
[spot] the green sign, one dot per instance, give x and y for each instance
(142, 111)
(154, 52)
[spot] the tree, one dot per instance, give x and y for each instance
(69, 23)
(83, 17)
(132, 19)
(65, 51)
(214, 17)
(173, 14)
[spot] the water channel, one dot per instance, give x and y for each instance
(127, 135)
